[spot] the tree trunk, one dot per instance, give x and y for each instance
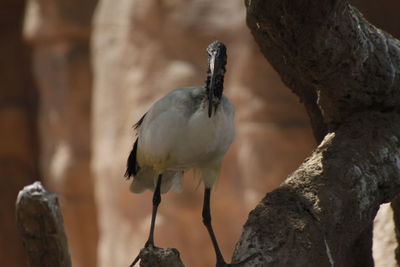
(41, 225)
(346, 73)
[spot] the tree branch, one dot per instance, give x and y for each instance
(314, 218)
(40, 223)
(351, 65)
(346, 71)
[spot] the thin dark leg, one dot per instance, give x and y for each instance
(156, 202)
(207, 223)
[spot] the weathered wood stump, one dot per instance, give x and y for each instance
(41, 225)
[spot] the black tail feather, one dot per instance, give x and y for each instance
(132, 166)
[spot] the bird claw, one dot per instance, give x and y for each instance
(135, 260)
(156, 256)
(147, 246)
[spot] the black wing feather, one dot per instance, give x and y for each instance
(132, 166)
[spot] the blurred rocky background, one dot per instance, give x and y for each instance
(97, 67)
(18, 138)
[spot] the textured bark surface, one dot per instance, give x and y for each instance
(323, 208)
(384, 15)
(384, 239)
(349, 63)
(160, 257)
(41, 226)
(327, 206)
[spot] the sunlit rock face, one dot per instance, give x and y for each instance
(140, 51)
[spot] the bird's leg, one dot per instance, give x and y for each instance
(207, 223)
(156, 202)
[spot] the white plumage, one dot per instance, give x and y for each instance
(189, 128)
(176, 134)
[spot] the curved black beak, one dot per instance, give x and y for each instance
(215, 82)
(212, 65)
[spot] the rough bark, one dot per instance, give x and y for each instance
(385, 16)
(360, 253)
(315, 217)
(160, 257)
(350, 64)
(341, 65)
(41, 225)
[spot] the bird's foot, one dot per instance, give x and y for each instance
(147, 246)
(135, 260)
(153, 256)
(240, 263)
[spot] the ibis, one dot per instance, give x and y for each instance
(188, 128)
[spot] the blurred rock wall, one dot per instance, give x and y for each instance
(18, 146)
(145, 48)
(59, 32)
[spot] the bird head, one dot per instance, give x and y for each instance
(216, 70)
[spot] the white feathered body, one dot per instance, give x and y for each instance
(176, 134)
